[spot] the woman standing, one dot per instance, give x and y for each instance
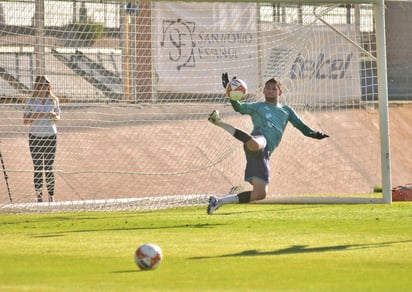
(41, 112)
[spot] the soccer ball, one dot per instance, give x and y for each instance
(148, 256)
(236, 89)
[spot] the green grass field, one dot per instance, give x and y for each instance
(253, 247)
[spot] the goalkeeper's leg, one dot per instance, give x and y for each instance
(259, 192)
(252, 143)
(257, 173)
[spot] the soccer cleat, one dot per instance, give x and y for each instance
(39, 198)
(214, 117)
(51, 199)
(213, 205)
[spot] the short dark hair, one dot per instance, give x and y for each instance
(273, 80)
(276, 82)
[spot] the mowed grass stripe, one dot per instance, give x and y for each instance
(239, 248)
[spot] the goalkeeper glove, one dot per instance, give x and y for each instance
(225, 79)
(318, 135)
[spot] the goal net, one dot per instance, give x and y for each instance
(136, 82)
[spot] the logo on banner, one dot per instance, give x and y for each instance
(184, 45)
(320, 67)
(178, 38)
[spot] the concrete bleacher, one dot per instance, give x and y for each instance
(76, 74)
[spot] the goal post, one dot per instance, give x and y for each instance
(137, 80)
(383, 102)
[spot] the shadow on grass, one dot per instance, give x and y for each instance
(300, 249)
(62, 233)
(280, 210)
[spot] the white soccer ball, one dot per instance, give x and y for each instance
(148, 256)
(236, 89)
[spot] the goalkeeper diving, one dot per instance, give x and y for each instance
(269, 120)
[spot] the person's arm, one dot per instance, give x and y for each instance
(298, 123)
(27, 113)
(55, 115)
(237, 106)
(245, 108)
(29, 117)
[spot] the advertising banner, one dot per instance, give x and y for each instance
(311, 68)
(196, 42)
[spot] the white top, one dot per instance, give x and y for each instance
(44, 126)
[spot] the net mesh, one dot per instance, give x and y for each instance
(137, 81)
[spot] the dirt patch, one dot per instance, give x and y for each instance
(135, 152)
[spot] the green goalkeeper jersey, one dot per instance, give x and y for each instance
(270, 120)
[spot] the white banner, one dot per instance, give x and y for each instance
(197, 42)
(318, 61)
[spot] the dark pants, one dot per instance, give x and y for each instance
(43, 153)
(257, 164)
